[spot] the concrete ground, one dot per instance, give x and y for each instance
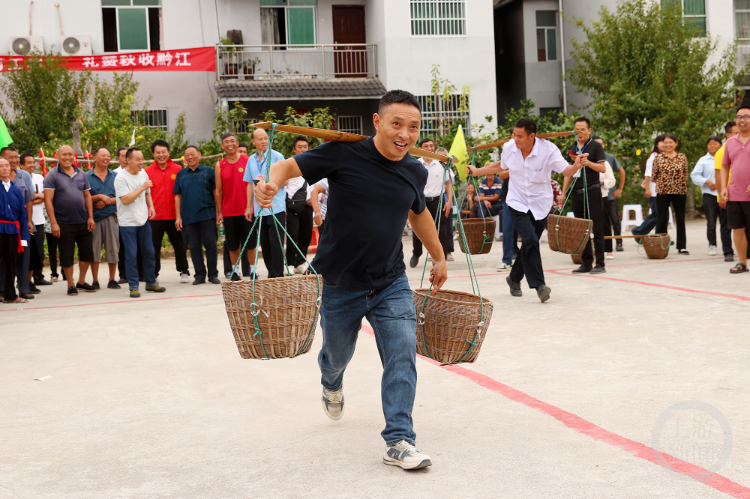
(149, 398)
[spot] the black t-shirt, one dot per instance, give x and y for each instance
(596, 155)
(368, 203)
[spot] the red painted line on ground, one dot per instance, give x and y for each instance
(132, 300)
(649, 262)
(580, 425)
(655, 285)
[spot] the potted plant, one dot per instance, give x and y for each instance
(231, 68)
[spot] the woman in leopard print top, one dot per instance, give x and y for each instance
(670, 173)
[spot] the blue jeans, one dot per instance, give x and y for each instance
(493, 210)
(650, 222)
(390, 311)
(509, 238)
(138, 239)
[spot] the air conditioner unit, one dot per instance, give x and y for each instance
(23, 45)
(77, 45)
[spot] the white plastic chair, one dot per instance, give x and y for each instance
(627, 222)
(498, 232)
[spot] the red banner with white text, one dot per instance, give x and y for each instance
(195, 59)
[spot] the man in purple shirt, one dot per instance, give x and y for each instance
(737, 160)
(70, 210)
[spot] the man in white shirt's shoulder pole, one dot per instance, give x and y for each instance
(530, 162)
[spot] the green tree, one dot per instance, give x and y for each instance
(42, 100)
(648, 73)
(318, 118)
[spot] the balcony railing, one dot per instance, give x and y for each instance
(294, 62)
(743, 52)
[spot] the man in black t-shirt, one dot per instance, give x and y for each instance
(373, 186)
(587, 196)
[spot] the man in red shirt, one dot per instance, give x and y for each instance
(233, 194)
(162, 174)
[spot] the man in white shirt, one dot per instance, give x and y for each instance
(438, 182)
(134, 208)
(36, 264)
(530, 162)
(121, 154)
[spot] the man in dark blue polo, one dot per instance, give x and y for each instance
(107, 232)
(198, 213)
(71, 216)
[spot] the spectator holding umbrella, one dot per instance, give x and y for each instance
(670, 173)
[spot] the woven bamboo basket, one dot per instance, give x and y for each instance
(656, 246)
(451, 321)
(577, 258)
(566, 234)
(287, 313)
(480, 232)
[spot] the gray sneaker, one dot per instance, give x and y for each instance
(406, 456)
(515, 287)
(543, 292)
(333, 403)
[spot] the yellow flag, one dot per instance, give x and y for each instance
(458, 149)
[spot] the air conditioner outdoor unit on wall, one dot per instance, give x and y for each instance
(77, 45)
(23, 45)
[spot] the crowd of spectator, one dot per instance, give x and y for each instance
(74, 214)
(122, 214)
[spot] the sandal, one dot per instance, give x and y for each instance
(738, 269)
(683, 252)
(17, 300)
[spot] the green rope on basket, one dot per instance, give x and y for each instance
(255, 312)
(586, 210)
(472, 279)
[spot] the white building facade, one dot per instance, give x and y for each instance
(301, 53)
(532, 41)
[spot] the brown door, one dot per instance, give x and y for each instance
(349, 27)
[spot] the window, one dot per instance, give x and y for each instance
(742, 30)
(438, 17)
(131, 25)
(290, 22)
(551, 112)
(349, 124)
(438, 116)
(546, 35)
(151, 118)
(693, 12)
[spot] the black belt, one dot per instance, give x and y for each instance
(592, 188)
(430, 200)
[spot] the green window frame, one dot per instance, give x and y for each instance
(546, 36)
(300, 20)
(693, 12)
(132, 24)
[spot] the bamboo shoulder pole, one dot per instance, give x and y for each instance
(501, 142)
(337, 136)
